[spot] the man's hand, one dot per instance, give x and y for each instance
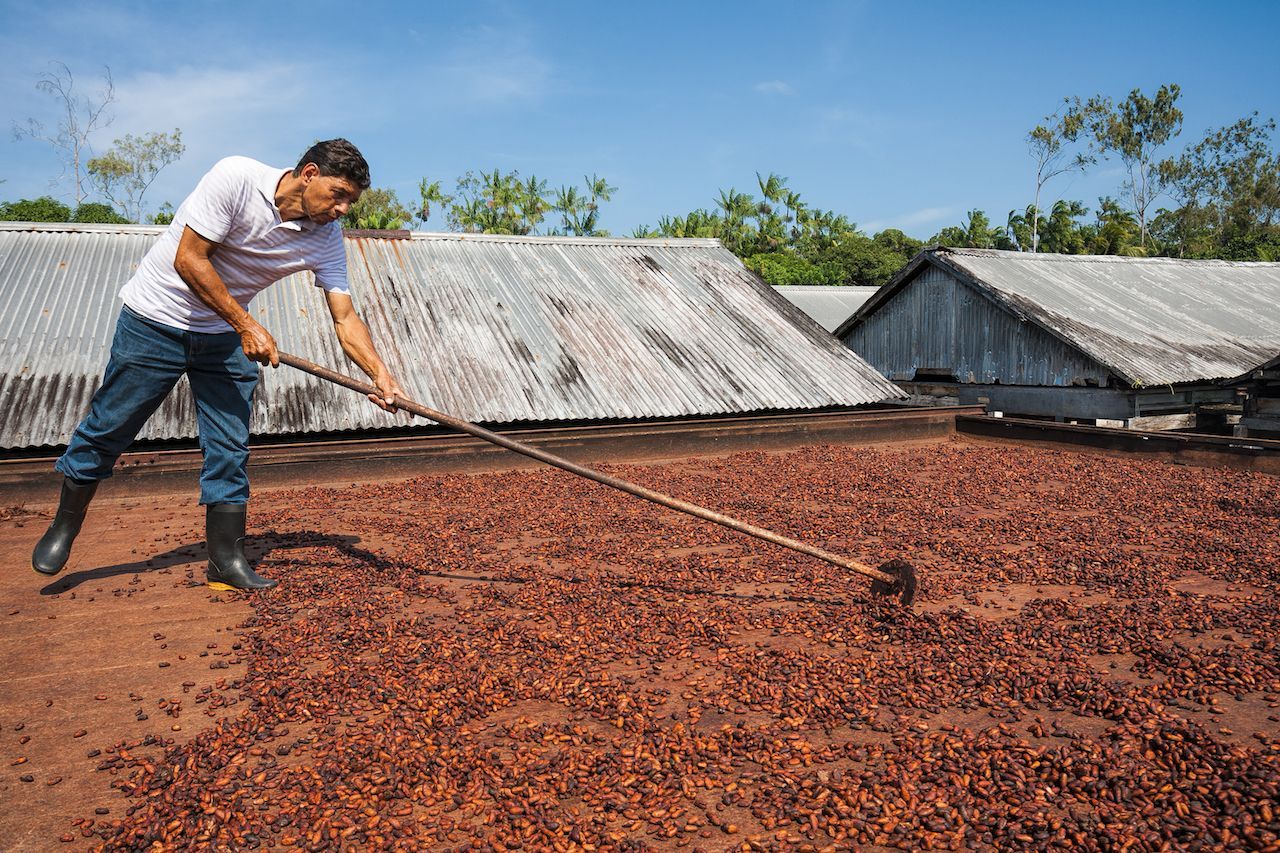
(389, 391)
(257, 343)
(353, 334)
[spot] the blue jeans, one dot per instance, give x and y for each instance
(147, 360)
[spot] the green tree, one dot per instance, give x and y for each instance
(737, 211)
(377, 209)
(1058, 232)
(698, 223)
(580, 212)
(820, 231)
(974, 233)
(1019, 227)
(1061, 232)
(489, 203)
(782, 268)
(1050, 145)
(903, 246)
(1115, 232)
(773, 228)
(163, 216)
(864, 260)
(1136, 131)
(1228, 189)
(431, 194)
(1253, 247)
(127, 170)
(42, 209)
(79, 118)
(787, 242)
(97, 212)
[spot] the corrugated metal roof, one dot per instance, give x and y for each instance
(1259, 371)
(1151, 321)
(828, 306)
(491, 329)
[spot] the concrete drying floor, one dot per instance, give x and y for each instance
(529, 660)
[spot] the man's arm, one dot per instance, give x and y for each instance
(356, 342)
(193, 265)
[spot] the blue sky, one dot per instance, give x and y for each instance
(897, 115)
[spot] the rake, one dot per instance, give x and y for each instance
(893, 578)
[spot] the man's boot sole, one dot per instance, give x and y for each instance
(223, 587)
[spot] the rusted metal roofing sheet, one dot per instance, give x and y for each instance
(1150, 321)
(828, 306)
(491, 329)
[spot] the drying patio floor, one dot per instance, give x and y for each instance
(529, 661)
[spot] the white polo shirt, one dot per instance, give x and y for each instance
(234, 206)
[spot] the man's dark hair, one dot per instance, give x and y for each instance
(337, 158)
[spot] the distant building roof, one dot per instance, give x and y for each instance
(1151, 321)
(488, 328)
(1269, 369)
(828, 306)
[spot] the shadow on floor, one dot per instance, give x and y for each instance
(255, 548)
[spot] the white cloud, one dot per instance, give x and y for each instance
(271, 111)
(903, 221)
(226, 101)
(774, 87)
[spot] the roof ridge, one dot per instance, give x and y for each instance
(550, 239)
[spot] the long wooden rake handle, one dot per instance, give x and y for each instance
(896, 577)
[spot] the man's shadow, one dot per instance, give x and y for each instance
(255, 549)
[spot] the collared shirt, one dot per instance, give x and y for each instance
(234, 206)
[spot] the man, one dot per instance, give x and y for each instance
(244, 227)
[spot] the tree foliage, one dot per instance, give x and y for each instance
(42, 209)
(125, 172)
(786, 242)
(505, 203)
(1136, 131)
(785, 268)
(490, 203)
(976, 232)
(377, 209)
(49, 209)
(163, 216)
(1116, 231)
(1227, 188)
(580, 212)
(97, 212)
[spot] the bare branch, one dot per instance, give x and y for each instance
(80, 118)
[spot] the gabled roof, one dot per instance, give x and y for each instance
(491, 329)
(829, 306)
(1151, 321)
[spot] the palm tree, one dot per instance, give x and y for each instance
(737, 207)
(598, 188)
(772, 186)
(795, 213)
(431, 194)
(1060, 232)
(532, 203)
(569, 205)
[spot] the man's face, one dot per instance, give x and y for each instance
(326, 198)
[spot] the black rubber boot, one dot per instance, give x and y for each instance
(54, 547)
(224, 532)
